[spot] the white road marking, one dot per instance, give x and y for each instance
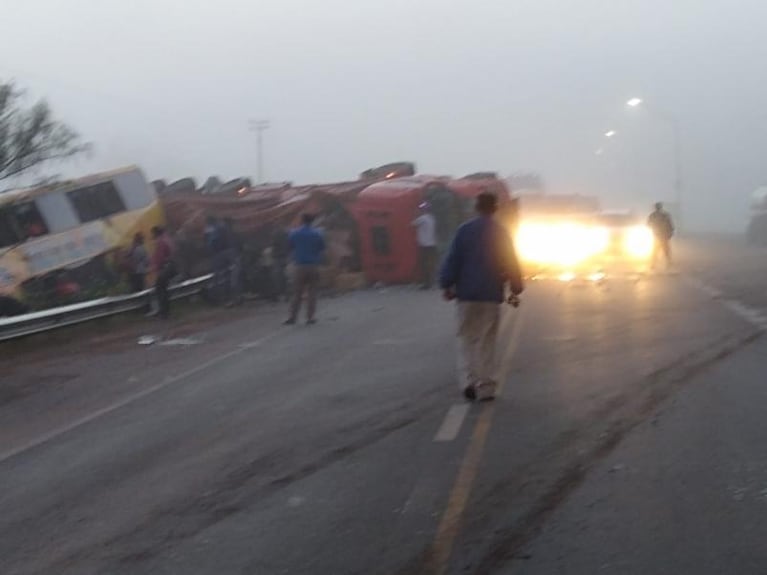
(452, 423)
(250, 344)
(71, 426)
(751, 315)
(704, 287)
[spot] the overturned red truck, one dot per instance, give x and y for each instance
(384, 212)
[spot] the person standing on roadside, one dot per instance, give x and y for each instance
(164, 268)
(662, 227)
(307, 247)
(138, 264)
(426, 236)
(480, 262)
(280, 245)
(267, 274)
(216, 241)
(234, 257)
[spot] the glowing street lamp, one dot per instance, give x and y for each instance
(634, 102)
(610, 133)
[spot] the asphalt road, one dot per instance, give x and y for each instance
(628, 439)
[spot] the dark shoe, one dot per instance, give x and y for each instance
(486, 390)
(311, 321)
(470, 393)
(289, 322)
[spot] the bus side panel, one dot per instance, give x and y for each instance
(13, 271)
(81, 243)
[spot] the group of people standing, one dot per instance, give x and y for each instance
(237, 267)
(225, 248)
(305, 245)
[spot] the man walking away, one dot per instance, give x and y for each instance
(425, 229)
(480, 262)
(138, 263)
(164, 268)
(216, 241)
(662, 227)
(307, 246)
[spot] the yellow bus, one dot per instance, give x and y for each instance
(65, 226)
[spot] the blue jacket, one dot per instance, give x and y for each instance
(307, 245)
(215, 238)
(480, 262)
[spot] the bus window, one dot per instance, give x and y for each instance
(95, 202)
(28, 220)
(57, 211)
(134, 190)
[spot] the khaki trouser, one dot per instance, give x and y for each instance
(477, 331)
(306, 279)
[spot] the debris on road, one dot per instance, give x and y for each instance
(181, 341)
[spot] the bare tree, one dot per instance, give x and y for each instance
(30, 136)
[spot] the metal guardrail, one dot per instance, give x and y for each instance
(46, 320)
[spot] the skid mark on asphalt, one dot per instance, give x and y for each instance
(111, 408)
(594, 442)
(449, 525)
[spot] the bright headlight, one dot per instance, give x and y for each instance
(638, 242)
(564, 244)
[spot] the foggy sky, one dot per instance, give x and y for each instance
(453, 85)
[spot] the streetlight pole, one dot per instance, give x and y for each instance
(672, 123)
(259, 126)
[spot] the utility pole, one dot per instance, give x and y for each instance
(258, 126)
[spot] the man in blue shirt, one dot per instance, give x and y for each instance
(307, 246)
(218, 248)
(480, 263)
